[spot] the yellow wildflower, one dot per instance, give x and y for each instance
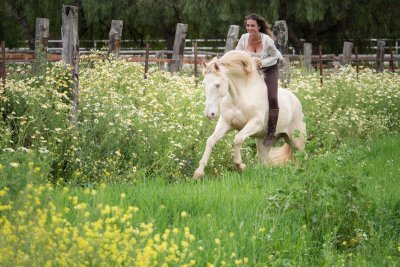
(3, 192)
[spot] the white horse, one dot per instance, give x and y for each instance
(235, 87)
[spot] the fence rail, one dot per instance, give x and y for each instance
(162, 56)
(193, 58)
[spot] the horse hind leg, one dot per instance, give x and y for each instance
(262, 151)
(274, 155)
(283, 154)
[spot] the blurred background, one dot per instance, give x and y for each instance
(328, 23)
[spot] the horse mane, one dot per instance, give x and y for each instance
(211, 66)
(237, 58)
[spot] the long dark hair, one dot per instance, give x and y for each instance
(262, 23)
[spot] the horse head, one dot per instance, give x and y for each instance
(215, 87)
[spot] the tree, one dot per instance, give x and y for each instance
(331, 22)
(19, 19)
(328, 23)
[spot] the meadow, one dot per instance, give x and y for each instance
(115, 189)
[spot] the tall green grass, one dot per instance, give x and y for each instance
(339, 209)
(121, 193)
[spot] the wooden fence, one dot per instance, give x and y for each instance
(161, 57)
(180, 55)
(193, 56)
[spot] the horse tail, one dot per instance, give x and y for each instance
(281, 155)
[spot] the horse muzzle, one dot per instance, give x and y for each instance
(211, 115)
(211, 111)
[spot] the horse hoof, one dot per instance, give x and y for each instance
(197, 175)
(241, 166)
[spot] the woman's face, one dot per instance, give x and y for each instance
(252, 26)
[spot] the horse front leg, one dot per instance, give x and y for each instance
(220, 130)
(252, 127)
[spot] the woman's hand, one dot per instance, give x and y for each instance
(258, 62)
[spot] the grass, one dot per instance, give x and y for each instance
(342, 207)
(116, 190)
(326, 202)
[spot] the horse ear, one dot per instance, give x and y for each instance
(216, 66)
(204, 63)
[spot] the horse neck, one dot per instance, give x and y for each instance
(233, 91)
(236, 86)
(246, 92)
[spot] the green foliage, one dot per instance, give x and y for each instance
(348, 105)
(124, 123)
(21, 167)
(338, 207)
(319, 22)
(132, 129)
(144, 138)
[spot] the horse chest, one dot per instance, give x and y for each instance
(236, 118)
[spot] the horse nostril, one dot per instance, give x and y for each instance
(212, 114)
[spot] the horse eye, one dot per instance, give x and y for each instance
(217, 85)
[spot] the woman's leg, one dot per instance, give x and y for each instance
(271, 79)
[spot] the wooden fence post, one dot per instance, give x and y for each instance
(380, 53)
(114, 36)
(3, 71)
(307, 55)
(397, 52)
(321, 75)
(179, 47)
(232, 38)
(195, 62)
(357, 61)
(347, 53)
(146, 61)
(280, 31)
(41, 44)
(70, 52)
(391, 60)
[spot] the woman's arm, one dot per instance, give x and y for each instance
(269, 45)
(241, 43)
(269, 61)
